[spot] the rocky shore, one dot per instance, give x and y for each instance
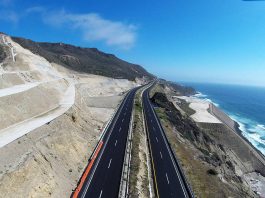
(216, 159)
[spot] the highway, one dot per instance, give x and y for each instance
(104, 175)
(168, 181)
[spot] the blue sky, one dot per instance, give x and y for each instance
(220, 41)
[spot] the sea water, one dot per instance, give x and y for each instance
(244, 104)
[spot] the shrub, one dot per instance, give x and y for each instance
(212, 172)
(73, 118)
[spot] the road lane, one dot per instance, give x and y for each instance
(104, 179)
(167, 178)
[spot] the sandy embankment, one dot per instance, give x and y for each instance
(32, 92)
(48, 160)
(201, 107)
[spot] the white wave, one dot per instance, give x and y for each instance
(257, 137)
(242, 126)
(209, 100)
(200, 95)
(261, 126)
(251, 131)
(259, 129)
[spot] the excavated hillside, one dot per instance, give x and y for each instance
(51, 116)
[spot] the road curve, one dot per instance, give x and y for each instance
(168, 180)
(104, 175)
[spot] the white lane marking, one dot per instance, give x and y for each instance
(124, 113)
(167, 179)
(156, 139)
(116, 142)
(104, 146)
(170, 154)
(109, 162)
(122, 120)
(120, 129)
(151, 120)
(100, 194)
(161, 155)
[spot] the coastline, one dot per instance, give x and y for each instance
(239, 127)
(205, 143)
(214, 110)
(240, 132)
(251, 159)
(236, 129)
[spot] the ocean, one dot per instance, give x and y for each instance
(244, 104)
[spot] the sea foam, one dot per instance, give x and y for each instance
(200, 95)
(255, 133)
(261, 126)
(251, 131)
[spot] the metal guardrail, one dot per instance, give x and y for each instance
(102, 136)
(125, 177)
(148, 154)
(187, 185)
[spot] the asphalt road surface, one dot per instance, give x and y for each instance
(103, 180)
(167, 178)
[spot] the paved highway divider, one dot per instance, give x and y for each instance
(151, 188)
(151, 155)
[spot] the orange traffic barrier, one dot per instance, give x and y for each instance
(84, 176)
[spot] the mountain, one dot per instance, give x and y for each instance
(88, 60)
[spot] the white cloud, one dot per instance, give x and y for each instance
(95, 28)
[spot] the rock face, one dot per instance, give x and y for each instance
(3, 53)
(88, 60)
(183, 124)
